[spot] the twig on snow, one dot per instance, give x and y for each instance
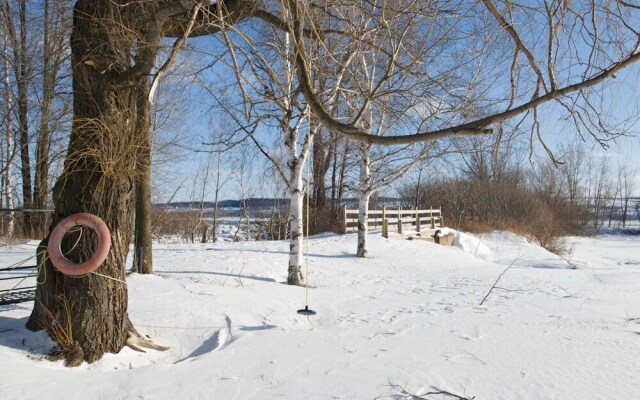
(498, 279)
(436, 392)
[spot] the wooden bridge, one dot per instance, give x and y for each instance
(401, 220)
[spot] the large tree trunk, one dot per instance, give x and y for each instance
(98, 179)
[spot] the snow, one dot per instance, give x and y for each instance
(445, 231)
(472, 245)
(407, 318)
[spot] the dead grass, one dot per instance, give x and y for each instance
(60, 328)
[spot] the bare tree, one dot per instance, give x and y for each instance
(269, 88)
(573, 168)
(220, 182)
(245, 186)
(626, 187)
(599, 188)
(265, 73)
(8, 151)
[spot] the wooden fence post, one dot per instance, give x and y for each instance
(385, 228)
(433, 221)
(399, 220)
(417, 221)
(344, 218)
(384, 213)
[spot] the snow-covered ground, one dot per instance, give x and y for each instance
(408, 320)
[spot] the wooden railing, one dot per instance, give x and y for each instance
(418, 220)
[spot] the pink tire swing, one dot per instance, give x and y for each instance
(67, 267)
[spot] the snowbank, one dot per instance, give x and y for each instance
(472, 245)
(509, 248)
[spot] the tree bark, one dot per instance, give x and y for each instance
(98, 179)
(343, 173)
(363, 226)
(143, 250)
(295, 184)
(216, 208)
(7, 190)
(22, 78)
(41, 181)
(319, 171)
(363, 201)
(294, 276)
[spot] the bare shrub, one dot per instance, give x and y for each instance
(476, 226)
(186, 224)
(325, 219)
(548, 230)
(275, 227)
(483, 206)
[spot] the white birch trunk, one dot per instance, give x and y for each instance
(363, 228)
(297, 232)
(296, 193)
(8, 195)
(295, 163)
(363, 201)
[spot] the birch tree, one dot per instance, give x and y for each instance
(298, 137)
(268, 87)
(272, 100)
(8, 150)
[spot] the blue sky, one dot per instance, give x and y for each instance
(556, 132)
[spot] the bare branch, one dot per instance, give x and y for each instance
(174, 53)
(518, 41)
(476, 127)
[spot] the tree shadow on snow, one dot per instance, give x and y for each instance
(251, 277)
(15, 335)
(315, 255)
(257, 328)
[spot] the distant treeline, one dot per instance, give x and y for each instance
(259, 202)
(252, 203)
